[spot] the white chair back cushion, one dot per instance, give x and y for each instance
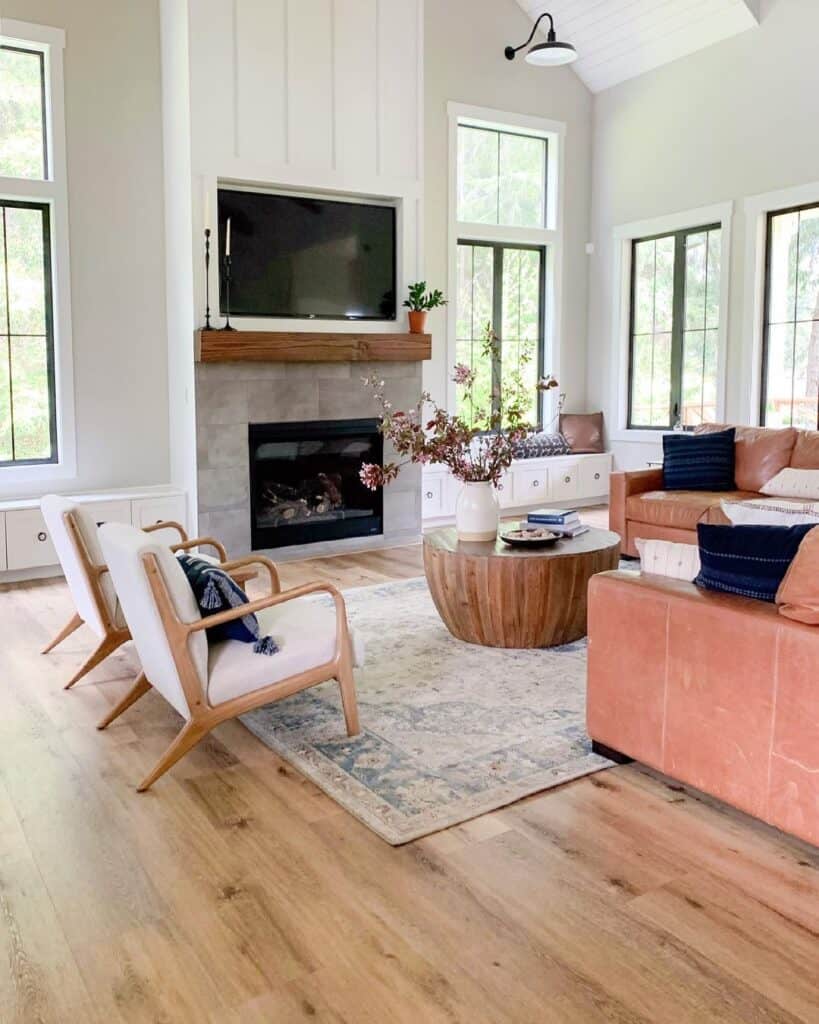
(124, 548)
(54, 507)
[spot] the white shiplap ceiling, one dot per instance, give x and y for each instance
(620, 39)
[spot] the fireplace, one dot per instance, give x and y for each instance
(304, 483)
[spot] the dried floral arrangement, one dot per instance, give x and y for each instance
(477, 447)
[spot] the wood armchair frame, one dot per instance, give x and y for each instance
(204, 715)
(114, 636)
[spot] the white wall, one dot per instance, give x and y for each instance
(464, 62)
(728, 122)
(114, 154)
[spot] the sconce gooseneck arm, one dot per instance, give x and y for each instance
(510, 51)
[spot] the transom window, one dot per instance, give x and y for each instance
(674, 328)
(28, 432)
(790, 368)
(501, 177)
(501, 287)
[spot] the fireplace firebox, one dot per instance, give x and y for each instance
(304, 482)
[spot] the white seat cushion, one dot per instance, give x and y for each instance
(305, 631)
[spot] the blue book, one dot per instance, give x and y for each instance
(557, 516)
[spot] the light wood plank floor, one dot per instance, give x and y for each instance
(236, 891)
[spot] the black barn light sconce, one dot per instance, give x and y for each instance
(550, 54)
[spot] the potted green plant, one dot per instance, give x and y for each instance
(419, 303)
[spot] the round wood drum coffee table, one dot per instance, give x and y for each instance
(499, 596)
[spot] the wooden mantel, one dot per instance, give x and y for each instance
(309, 347)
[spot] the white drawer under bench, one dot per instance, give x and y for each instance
(25, 544)
(527, 484)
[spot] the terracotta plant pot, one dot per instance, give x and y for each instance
(417, 321)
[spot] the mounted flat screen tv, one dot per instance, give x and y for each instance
(296, 256)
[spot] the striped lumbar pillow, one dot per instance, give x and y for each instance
(770, 512)
(699, 462)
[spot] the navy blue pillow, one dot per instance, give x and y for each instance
(747, 560)
(216, 592)
(699, 462)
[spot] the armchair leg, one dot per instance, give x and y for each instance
(187, 738)
(107, 646)
(139, 689)
(71, 626)
(346, 683)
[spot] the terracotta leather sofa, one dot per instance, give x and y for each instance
(640, 508)
(715, 690)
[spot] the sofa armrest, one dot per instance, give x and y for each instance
(622, 486)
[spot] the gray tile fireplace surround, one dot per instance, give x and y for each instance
(229, 396)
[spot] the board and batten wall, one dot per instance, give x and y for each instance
(322, 96)
(114, 158)
(729, 122)
(464, 62)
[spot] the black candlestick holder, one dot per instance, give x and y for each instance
(227, 326)
(207, 326)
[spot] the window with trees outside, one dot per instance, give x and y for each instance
(790, 366)
(674, 329)
(27, 388)
(501, 184)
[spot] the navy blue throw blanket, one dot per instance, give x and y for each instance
(747, 560)
(699, 462)
(216, 592)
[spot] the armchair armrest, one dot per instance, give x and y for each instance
(272, 571)
(621, 487)
(202, 542)
(167, 524)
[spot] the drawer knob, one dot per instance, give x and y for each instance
(567, 479)
(596, 476)
(536, 483)
(42, 536)
(500, 487)
(429, 494)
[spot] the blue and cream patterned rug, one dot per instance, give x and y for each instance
(449, 730)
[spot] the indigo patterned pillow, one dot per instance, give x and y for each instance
(699, 462)
(747, 560)
(216, 592)
(541, 444)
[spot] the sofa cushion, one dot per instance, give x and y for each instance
(699, 462)
(747, 560)
(760, 452)
(680, 510)
(798, 594)
(806, 450)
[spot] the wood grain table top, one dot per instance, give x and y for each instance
(445, 539)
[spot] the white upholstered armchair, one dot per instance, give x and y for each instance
(73, 532)
(208, 683)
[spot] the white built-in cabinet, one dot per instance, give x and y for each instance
(24, 538)
(527, 484)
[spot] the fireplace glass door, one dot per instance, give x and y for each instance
(304, 482)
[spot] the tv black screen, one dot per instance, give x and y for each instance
(293, 256)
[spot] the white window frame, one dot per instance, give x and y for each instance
(624, 237)
(550, 236)
(757, 209)
(54, 192)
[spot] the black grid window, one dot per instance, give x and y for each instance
(28, 431)
(674, 328)
(790, 363)
(500, 286)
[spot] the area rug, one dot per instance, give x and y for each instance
(449, 730)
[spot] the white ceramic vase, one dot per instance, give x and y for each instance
(476, 512)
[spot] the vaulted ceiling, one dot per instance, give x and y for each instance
(620, 39)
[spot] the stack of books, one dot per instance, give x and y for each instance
(564, 521)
